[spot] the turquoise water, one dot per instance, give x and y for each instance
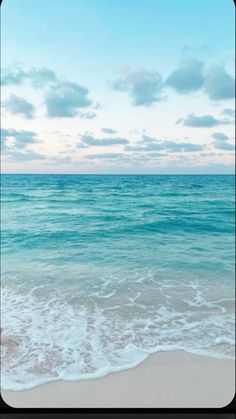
(100, 271)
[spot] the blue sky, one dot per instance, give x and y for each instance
(118, 86)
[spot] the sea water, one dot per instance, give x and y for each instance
(100, 271)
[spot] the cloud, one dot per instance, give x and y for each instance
(41, 77)
(150, 155)
(12, 77)
(188, 77)
(181, 147)
(64, 99)
(88, 115)
(147, 139)
(220, 136)
(21, 156)
(38, 78)
(108, 131)
(205, 121)
(144, 87)
(229, 112)
(111, 156)
(15, 145)
(147, 150)
(12, 138)
(152, 146)
(219, 84)
(19, 106)
(223, 145)
(89, 140)
(81, 145)
(148, 144)
(60, 160)
(221, 141)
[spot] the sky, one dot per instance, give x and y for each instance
(117, 86)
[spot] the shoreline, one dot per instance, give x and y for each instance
(163, 379)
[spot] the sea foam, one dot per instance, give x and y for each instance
(98, 272)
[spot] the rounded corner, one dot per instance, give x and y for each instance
(231, 399)
(5, 400)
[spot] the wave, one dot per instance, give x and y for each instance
(106, 328)
(100, 271)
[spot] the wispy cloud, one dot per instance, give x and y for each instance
(148, 144)
(87, 115)
(152, 146)
(109, 156)
(60, 160)
(19, 106)
(89, 140)
(42, 77)
(12, 76)
(38, 77)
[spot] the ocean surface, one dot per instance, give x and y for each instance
(100, 271)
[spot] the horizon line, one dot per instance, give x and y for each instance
(122, 174)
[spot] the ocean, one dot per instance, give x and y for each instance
(99, 271)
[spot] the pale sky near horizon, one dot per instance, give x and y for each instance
(118, 86)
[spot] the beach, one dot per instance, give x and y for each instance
(116, 269)
(118, 204)
(165, 379)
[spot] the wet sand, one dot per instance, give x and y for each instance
(165, 379)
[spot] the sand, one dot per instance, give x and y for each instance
(165, 379)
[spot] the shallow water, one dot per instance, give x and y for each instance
(100, 271)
